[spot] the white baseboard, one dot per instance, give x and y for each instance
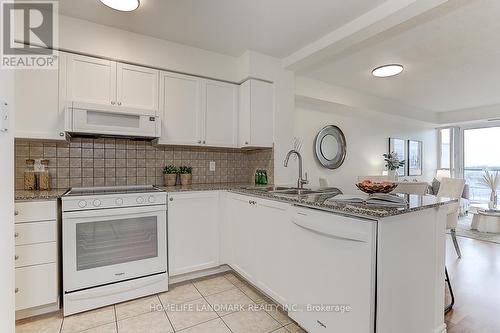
(199, 274)
(37, 311)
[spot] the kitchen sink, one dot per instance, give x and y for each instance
(293, 191)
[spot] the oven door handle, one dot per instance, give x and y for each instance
(119, 288)
(114, 211)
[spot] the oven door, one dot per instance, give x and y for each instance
(111, 245)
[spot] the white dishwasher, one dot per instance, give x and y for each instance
(334, 276)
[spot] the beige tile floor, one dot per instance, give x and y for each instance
(220, 304)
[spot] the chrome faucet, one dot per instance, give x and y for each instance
(300, 181)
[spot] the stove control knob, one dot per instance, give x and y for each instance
(96, 203)
(151, 199)
(140, 200)
(119, 201)
(82, 203)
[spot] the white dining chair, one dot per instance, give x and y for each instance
(452, 188)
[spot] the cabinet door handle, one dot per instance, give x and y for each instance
(61, 133)
(16, 234)
(16, 212)
(112, 102)
(171, 199)
(203, 141)
(16, 257)
(199, 141)
(119, 103)
(246, 142)
(16, 290)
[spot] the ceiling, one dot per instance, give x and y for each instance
(451, 56)
(273, 27)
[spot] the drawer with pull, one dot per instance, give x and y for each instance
(30, 211)
(35, 254)
(35, 232)
(35, 286)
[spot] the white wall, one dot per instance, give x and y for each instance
(98, 40)
(7, 209)
(367, 136)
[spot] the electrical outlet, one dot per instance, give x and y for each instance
(212, 166)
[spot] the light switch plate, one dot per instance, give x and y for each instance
(212, 166)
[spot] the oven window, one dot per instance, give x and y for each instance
(112, 242)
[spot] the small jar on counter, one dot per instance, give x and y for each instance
(44, 176)
(29, 175)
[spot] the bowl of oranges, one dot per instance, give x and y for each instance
(371, 187)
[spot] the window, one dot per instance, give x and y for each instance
(480, 153)
(445, 148)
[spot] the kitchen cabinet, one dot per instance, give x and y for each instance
(273, 249)
(90, 80)
(241, 222)
(193, 231)
(256, 114)
(220, 114)
(37, 111)
(105, 82)
(197, 111)
(36, 257)
(137, 87)
(180, 109)
(256, 227)
(334, 256)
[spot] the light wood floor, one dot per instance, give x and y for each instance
(476, 282)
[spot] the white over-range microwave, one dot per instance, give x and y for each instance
(95, 119)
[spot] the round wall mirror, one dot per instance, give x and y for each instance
(330, 147)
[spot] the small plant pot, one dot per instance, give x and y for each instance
(186, 179)
(170, 179)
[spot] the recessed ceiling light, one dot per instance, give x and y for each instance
(122, 5)
(387, 70)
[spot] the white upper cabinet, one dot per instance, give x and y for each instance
(90, 80)
(137, 87)
(180, 109)
(220, 116)
(105, 82)
(37, 111)
(193, 231)
(256, 114)
(197, 111)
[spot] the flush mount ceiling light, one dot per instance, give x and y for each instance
(122, 5)
(387, 70)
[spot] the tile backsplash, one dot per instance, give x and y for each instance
(109, 162)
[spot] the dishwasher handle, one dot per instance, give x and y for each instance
(331, 230)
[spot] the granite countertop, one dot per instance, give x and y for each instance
(26, 195)
(319, 201)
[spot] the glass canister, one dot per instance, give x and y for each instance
(29, 175)
(44, 176)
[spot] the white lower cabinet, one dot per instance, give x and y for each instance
(273, 246)
(36, 286)
(193, 231)
(242, 216)
(36, 258)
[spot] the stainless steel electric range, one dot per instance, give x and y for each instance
(114, 245)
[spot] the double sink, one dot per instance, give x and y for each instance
(307, 194)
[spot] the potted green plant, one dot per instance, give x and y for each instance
(170, 175)
(392, 163)
(186, 175)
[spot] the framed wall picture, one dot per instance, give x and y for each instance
(415, 152)
(400, 147)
